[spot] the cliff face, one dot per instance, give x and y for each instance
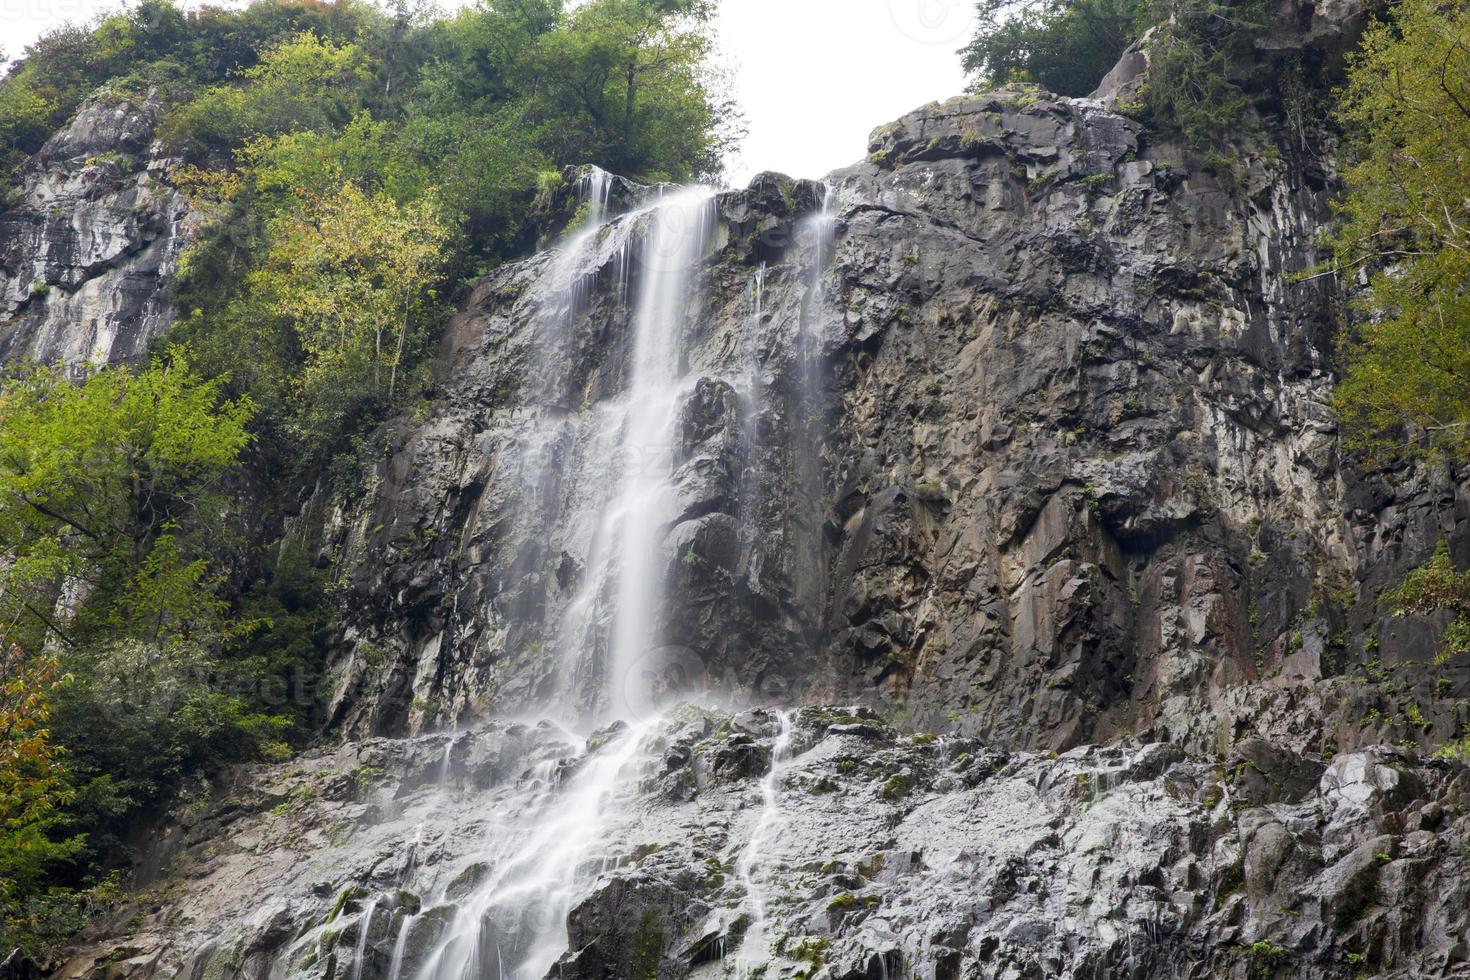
(1035, 444)
(1018, 432)
(824, 846)
(90, 241)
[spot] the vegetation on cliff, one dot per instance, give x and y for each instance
(1405, 231)
(1198, 51)
(355, 170)
(1403, 243)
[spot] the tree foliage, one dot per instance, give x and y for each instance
(152, 44)
(99, 483)
(1406, 230)
(1437, 587)
(1066, 46)
(353, 276)
(301, 83)
(343, 221)
(34, 785)
(352, 167)
(1199, 52)
(113, 510)
(1198, 57)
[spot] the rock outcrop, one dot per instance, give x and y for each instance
(886, 855)
(1075, 471)
(91, 239)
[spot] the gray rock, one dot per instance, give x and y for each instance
(91, 240)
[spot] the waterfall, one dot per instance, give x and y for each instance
(514, 926)
(754, 944)
(596, 475)
(809, 434)
(681, 229)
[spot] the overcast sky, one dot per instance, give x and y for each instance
(816, 76)
(813, 76)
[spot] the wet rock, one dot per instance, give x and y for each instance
(1264, 773)
(1351, 885)
(1043, 866)
(90, 243)
(1051, 462)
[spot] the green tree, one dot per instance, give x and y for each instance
(624, 83)
(113, 508)
(34, 785)
(100, 484)
(303, 83)
(1406, 226)
(1065, 46)
(1198, 56)
(354, 276)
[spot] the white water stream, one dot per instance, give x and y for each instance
(681, 229)
(753, 868)
(617, 455)
(514, 926)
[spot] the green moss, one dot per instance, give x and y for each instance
(347, 901)
(897, 786)
(811, 952)
(846, 902)
(1266, 959)
(649, 949)
(1231, 880)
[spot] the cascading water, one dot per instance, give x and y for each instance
(364, 929)
(514, 926)
(681, 228)
(749, 868)
(545, 836)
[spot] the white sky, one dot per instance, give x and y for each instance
(814, 77)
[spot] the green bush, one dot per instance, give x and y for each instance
(1065, 46)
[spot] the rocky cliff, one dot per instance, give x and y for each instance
(91, 238)
(1067, 468)
(888, 856)
(1017, 433)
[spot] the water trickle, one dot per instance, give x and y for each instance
(809, 432)
(400, 947)
(364, 926)
(595, 191)
(444, 763)
(753, 947)
(567, 288)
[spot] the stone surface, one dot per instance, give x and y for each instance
(1074, 471)
(91, 239)
(1027, 442)
(1131, 860)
